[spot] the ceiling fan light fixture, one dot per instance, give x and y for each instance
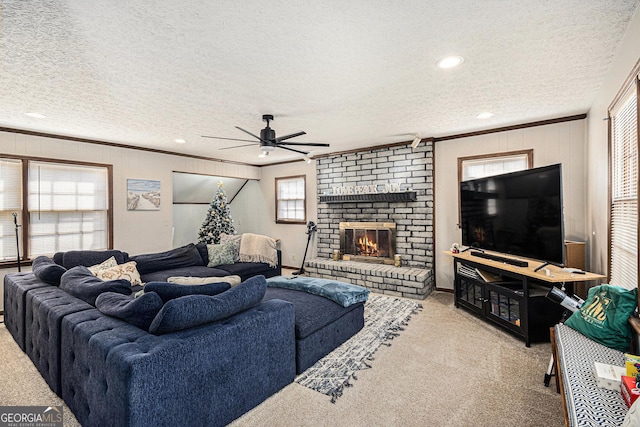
(180, 141)
(263, 154)
(268, 148)
(416, 141)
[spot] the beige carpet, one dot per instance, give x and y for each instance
(447, 368)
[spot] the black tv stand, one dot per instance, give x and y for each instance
(511, 261)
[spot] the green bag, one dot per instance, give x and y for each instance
(603, 317)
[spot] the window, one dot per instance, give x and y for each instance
(67, 206)
(291, 206)
(492, 164)
(623, 204)
(10, 203)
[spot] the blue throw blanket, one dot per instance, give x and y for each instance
(344, 294)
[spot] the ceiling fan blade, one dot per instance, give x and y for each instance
(228, 139)
(310, 144)
(238, 146)
(255, 136)
(293, 135)
(291, 149)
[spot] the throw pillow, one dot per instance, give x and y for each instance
(126, 271)
(220, 254)
(182, 280)
(169, 291)
(194, 310)
(139, 312)
(235, 240)
(47, 270)
(72, 259)
(81, 283)
(184, 256)
(108, 263)
(603, 317)
(342, 293)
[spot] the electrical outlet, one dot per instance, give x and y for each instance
(293, 257)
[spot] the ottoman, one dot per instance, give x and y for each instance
(321, 325)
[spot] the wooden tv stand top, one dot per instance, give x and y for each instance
(557, 275)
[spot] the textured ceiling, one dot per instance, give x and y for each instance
(349, 73)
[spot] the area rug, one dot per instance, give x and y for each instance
(384, 318)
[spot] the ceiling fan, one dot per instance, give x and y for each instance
(268, 141)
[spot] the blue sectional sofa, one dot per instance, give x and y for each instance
(111, 372)
(177, 355)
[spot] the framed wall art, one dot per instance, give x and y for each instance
(143, 195)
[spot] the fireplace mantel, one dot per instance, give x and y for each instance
(406, 196)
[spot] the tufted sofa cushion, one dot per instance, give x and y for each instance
(168, 291)
(194, 310)
(81, 283)
(184, 256)
(47, 270)
(139, 311)
(45, 309)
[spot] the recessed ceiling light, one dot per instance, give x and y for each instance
(36, 115)
(180, 141)
(450, 61)
(485, 115)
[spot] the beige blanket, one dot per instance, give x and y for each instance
(258, 248)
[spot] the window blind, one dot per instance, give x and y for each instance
(487, 166)
(10, 203)
(624, 192)
(291, 200)
(68, 207)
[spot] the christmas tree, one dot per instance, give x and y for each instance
(218, 219)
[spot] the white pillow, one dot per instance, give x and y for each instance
(127, 271)
(181, 280)
(108, 263)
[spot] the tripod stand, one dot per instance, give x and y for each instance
(311, 227)
(15, 221)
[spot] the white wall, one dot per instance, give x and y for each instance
(557, 143)
(597, 145)
(134, 231)
(258, 212)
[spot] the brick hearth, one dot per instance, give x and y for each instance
(409, 282)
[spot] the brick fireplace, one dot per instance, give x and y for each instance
(409, 173)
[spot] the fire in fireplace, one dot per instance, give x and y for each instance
(368, 241)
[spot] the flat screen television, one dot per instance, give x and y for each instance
(518, 213)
